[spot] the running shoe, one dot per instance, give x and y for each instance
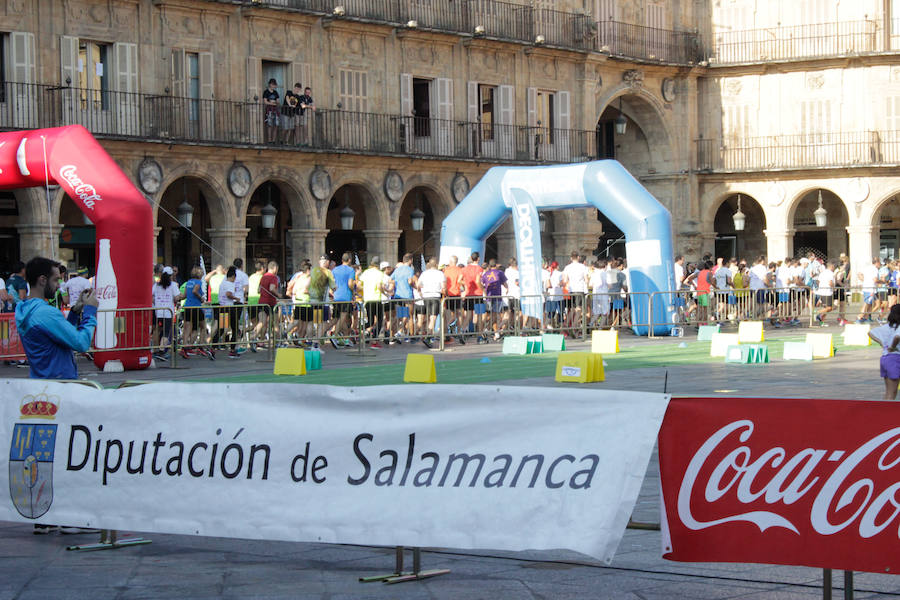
(375, 345)
(461, 339)
(253, 347)
(44, 529)
(426, 342)
(234, 354)
(334, 343)
(184, 353)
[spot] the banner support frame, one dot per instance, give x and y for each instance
(398, 576)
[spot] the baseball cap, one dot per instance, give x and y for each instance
(82, 271)
(384, 265)
(168, 271)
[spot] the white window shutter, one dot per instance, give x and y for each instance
(406, 95)
(563, 113)
(472, 101)
(254, 73)
(301, 73)
(531, 101)
(205, 62)
(21, 44)
(445, 99)
(507, 110)
(125, 76)
(68, 61)
(179, 89)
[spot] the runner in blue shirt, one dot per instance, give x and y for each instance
(403, 276)
(345, 282)
(194, 319)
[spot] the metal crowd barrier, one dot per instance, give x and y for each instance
(224, 326)
(10, 344)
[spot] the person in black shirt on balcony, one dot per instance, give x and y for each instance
(270, 102)
(307, 106)
(290, 115)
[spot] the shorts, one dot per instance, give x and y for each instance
(480, 308)
(513, 304)
(577, 300)
(303, 313)
(883, 295)
(470, 302)
(732, 299)
(784, 297)
(402, 312)
(703, 299)
(164, 324)
(761, 297)
(840, 294)
(495, 304)
(551, 307)
(253, 312)
(419, 308)
(340, 308)
(890, 366)
(826, 300)
(288, 122)
(432, 306)
(869, 298)
(194, 316)
(452, 302)
(321, 313)
(619, 303)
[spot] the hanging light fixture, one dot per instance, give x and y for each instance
(268, 212)
(621, 121)
(418, 219)
(820, 213)
(185, 210)
(543, 222)
(739, 218)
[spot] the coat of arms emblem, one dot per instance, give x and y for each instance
(31, 456)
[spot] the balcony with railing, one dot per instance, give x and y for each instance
(807, 151)
(506, 21)
(147, 117)
(820, 40)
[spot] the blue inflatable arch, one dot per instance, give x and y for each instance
(606, 185)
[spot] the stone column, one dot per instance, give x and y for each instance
(308, 243)
(863, 247)
(382, 242)
(228, 244)
(506, 246)
(38, 239)
(779, 244)
(156, 231)
(707, 243)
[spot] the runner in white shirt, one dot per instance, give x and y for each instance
(825, 292)
(575, 279)
(432, 284)
(165, 295)
(869, 277)
(600, 291)
(76, 285)
(759, 278)
(513, 291)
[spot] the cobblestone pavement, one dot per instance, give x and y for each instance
(191, 567)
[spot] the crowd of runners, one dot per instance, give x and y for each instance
(229, 310)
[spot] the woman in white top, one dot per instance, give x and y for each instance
(888, 336)
(600, 294)
(165, 295)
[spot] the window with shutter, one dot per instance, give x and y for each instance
(546, 115)
(353, 93)
(815, 120)
(605, 10)
(421, 103)
(892, 113)
(94, 74)
(486, 110)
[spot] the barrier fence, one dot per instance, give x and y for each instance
(205, 330)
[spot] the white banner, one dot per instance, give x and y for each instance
(460, 466)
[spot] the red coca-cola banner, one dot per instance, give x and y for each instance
(793, 482)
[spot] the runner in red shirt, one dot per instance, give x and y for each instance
(472, 293)
(453, 305)
(268, 296)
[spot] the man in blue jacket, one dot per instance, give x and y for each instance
(49, 338)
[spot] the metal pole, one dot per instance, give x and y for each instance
(848, 585)
(443, 324)
(826, 584)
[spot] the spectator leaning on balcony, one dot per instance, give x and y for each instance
(290, 115)
(270, 103)
(307, 106)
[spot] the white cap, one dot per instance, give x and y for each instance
(384, 265)
(168, 271)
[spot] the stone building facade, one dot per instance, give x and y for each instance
(772, 102)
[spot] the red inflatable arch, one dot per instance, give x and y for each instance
(71, 157)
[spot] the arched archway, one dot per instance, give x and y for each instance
(747, 243)
(264, 243)
(828, 241)
(645, 146)
(359, 201)
(424, 241)
(77, 239)
(886, 227)
(181, 246)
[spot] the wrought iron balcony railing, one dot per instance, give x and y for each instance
(143, 117)
(820, 40)
(647, 43)
(510, 22)
(808, 151)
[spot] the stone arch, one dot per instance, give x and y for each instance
(304, 212)
(32, 204)
(711, 208)
(646, 111)
(214, 193)
(873, 218)
(830, 240)
(439, 195)
(378, 214)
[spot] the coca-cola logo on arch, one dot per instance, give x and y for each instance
(107, 292)
(86, 192)
(782, 481)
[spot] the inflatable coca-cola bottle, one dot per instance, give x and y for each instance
(107, 299)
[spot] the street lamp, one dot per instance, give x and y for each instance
(820, 213)
(621, 121)
(739, 218)
(268, 212)
(185, 210)
(347, 215)
(417, 216)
